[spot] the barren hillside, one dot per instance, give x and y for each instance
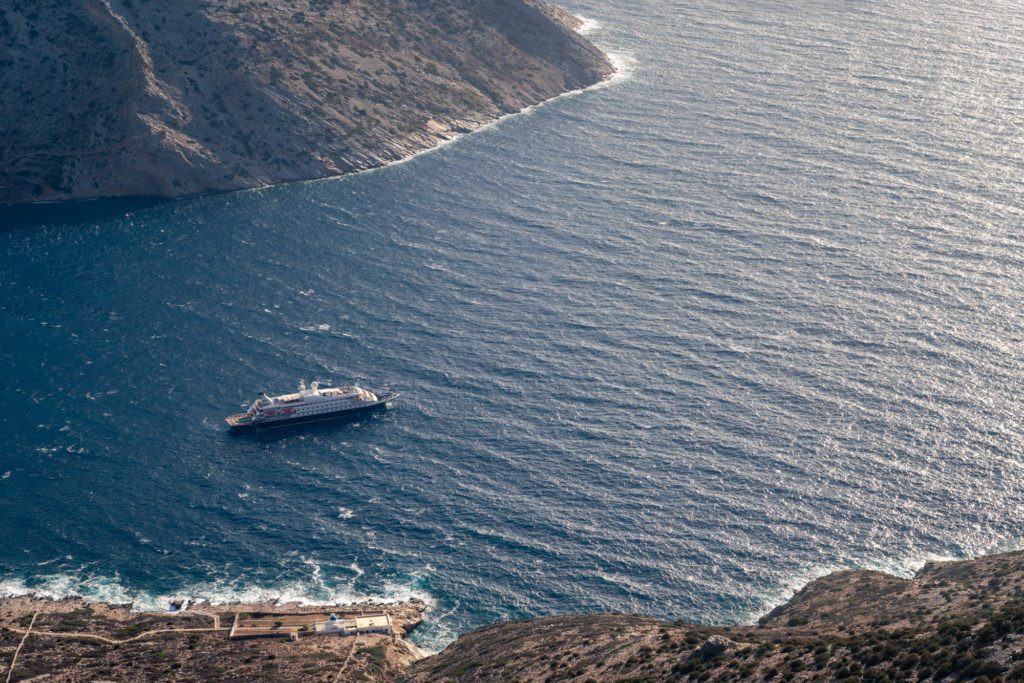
(954, 621)
(139, 97)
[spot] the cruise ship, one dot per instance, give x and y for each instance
(308, 405)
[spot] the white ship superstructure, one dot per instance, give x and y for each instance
(308, 405)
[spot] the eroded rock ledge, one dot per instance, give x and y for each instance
(141, 97)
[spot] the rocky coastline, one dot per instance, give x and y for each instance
(107, 98)
(953, 621)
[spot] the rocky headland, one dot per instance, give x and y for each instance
(953, 621)
(136, 97)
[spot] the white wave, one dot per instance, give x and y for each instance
(587, 26)
(58, 586)
(434, 634)
(904, 568)
(624, 64)
(314, 567)
(345, 513)
(309, 591)
(784, 591)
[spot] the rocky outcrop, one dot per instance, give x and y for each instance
(713, 647)
(139, 97)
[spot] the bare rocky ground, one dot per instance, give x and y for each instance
(142, 97)
(956, 621)
(70, 640)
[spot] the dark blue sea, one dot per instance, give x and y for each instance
(748, 313)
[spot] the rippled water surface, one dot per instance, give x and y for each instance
(675, 345)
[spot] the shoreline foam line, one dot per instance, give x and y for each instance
(101, 589)
(431, 635)
(587, 26)
(623, 65)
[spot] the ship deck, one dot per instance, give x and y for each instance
(240, 420)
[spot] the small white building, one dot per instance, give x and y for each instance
(334, 625)
(375, 623)
(350, 626)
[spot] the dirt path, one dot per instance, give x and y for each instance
(344, 665)
(109, 641)
(212, 615)
(113, 641)
(14, 659)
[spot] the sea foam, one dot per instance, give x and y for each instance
(309, 591)
(587, 26)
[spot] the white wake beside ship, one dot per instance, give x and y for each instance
(308, 405)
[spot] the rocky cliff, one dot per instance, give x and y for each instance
(954, 621)
(141, 97)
